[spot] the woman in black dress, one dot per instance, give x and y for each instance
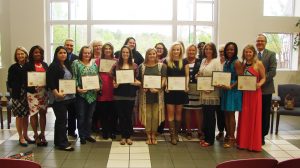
(174, 100)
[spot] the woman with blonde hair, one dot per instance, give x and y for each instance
(18, 95)
(193, 108)
(176, 67)
(151, 105)
(96, 46)
(249, 132)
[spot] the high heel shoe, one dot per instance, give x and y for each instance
(37, 140)
(43, 140)
(24, 144)
(29, 141)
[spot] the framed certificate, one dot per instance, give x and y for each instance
(106, 65)
(36, 79)
(124, 76)
(204, 83)
(90, 82)
(221, 78)
(67, 86)
(152, 82)
(176, 83)
(247, 82)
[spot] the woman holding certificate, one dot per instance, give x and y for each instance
(126, 85)
(177, 88)
(85, 73)
(105, 105)
(209, 98)
(58, 72)
(36, 92)
(151, 107)
(231, 97)
(193, 108)
(249, 133)
(19, 99)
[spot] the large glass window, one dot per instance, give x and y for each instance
(281, 7)
(149, 22)
(286, 53)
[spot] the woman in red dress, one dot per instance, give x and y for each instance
(249, 126)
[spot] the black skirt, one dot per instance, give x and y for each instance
(176, 97)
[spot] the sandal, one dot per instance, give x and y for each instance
(129, 141)
(37, 140)
(230, 143)
(148, 142)
(154, 140)
(201, 142)
(123, 141)
(205, 144)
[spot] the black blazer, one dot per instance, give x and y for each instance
(29, 67)
(53, 74)
(195, 69)
(73, 58)
(15, 80)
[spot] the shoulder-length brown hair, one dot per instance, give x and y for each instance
(81, 52)
(121, 61)
(103, 48)
(252, 48)
(213, 47)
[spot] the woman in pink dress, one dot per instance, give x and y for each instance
(249, 126)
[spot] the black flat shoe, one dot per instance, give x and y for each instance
(113, 136)
(82, 141)
(74, 135)
(29, 141)
(90, 139)
(23, 144)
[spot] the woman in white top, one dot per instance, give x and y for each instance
(209, 99)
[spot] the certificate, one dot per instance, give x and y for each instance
(67, 86)
(90, 82)
(176, 83)
(124, 76)
(106, 65)
(36, 79)
(221, 78)
(247, 82)
(152, 82)
(204, 83)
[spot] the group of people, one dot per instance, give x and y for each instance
(113, 103)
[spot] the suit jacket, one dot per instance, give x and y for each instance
(270, 63)
(73, 57)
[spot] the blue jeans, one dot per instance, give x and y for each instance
(84, 112)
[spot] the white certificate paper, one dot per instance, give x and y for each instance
(204, 83)
(90, 82)
(124, 76)
(221, 78)
(152, 82)
(36, 79)
(176, 83)
(106, 65)
(67, 86)
(247, 83)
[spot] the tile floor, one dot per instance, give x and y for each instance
(107, 153)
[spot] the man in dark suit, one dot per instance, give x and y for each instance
(69, 45)
(268, 58)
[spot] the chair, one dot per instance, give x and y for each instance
(274, 109)
(283, 90)
(249, 163)
(291, 163)
(16, 163)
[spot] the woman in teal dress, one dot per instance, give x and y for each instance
(231, 98)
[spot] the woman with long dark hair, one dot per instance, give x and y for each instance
(60, 69)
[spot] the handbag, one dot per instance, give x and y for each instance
(289, 102)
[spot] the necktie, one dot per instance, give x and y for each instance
(259, 55)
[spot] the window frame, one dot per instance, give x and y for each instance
(89, 22)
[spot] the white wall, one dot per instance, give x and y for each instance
(241, 20)
(23, 23)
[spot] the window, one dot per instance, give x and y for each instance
(281, 7)
(113, 21)
(286, 54)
